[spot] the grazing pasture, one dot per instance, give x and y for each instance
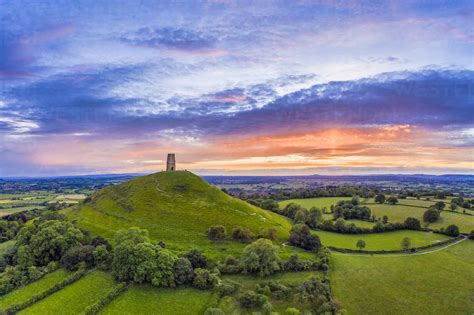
(24, 293)
(379, 241)
(314, 202)
(435, 283)
(146, 299)
(74, 298)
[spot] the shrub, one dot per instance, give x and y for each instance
(214, 311)
(405, 243)
(260, 257)
(292, 311)
(360, 244)
(250, 299)
(431, 215)
(76, 255)
(204, 279)
(216, 232)
(270, 234)
(412, 223)
(102, 257)
(471, 235)
(274, 289)
(300, 235)
(197, 259)
(227, 287)
(183, 271)
(242, 234)
(231, 265)
(452, 230)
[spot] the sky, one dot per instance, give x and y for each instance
(236, 87)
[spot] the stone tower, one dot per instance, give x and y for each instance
(171, 162)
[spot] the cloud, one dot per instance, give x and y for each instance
(172, 38)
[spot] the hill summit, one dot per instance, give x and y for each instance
(176, 207)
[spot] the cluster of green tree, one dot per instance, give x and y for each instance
(8, 230)
(218, 233)
(461, 202)
(300, 236)
(341, 226)
(392, 200)
(328, 191)
(50, 240)
(314, 293)
(351, 209)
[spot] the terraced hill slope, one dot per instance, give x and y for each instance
(176, 207)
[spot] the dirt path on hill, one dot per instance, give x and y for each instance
(398, 255)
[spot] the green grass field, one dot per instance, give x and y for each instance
(434, 283)
(76, 297)
(22, 294)
(398, 213)
(314, 202)
(379, 241)
(146, 299)
(176, 207)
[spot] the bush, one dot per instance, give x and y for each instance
(102, 257)
(392, 200)
(216, 232)
(452, 230)
(76, 255)
(231, 265)
(214, 311)
(431, 215)
(250, 299)
(294, 263)
(292, 311)
(204, 279)
(242, 234)
(300, 235)
(197, 259)
(412, 223)
(183, 271)
(274, 289)
(260, 257)
(471, 235)
(227, 287)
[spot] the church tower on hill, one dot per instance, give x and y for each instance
(171, 162)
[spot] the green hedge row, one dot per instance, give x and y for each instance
(396, 251)
(100, 304)
(38, 297)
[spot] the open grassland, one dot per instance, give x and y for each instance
(146, 299)
(398, 213)
(76, 297)
(231, 306)
(434, 283)
(379, 241)
(176, 207)
(68, 198)
(314, 202)
(23, 294)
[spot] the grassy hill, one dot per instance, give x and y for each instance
(176, 207)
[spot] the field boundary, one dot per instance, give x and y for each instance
(105, 300)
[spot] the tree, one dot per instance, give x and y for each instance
(204, 279)
(76, 255)
(412, 223)
(314, 217)
(406, 243)
(384, 219)
(392, 200)
(183, 271)
(380, 198)
(300, 216)
(102, 257)
(216, 232)
(242, 234)
(453, 206)
(360, 244)
(300, 235)
(261, 257)
(452, 230)
(431, 215)
(440, 205)
(340, 225)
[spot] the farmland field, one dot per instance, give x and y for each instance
(22, 294)
(434, 283)
(379, 241)
(314, 202)
(146, 299)
(76, 297)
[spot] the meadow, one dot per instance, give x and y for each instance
(379, 241)
(76, 297)
(24, 293)
(146, 299)
(433, 283)
(314, 202)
